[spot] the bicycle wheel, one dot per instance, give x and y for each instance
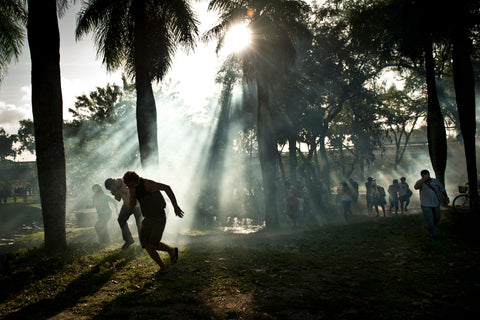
(461, 203)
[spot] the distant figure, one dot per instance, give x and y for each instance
(301, 204)
(378, 198)
(354, 188)
(120, 191)
(4, 261)
(152, 203)
(346, 200)
(429, 187)
(101, 202)
(404, 194)
(4, 195)
(393, 196)
(291, 197)
(369, 193)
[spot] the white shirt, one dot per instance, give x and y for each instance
(428, 197)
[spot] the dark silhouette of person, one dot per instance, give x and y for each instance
(121, 192)
(152, 204)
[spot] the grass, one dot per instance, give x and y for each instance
(373, 268)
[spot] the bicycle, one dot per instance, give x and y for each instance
(461, 203)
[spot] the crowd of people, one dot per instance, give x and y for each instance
(143, 199)
(377, 204)
(15, 192)
(399, 194)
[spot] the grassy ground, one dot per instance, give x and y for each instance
(372, 268)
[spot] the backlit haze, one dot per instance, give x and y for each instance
(186, 125)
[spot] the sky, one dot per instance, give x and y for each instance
(82, 72)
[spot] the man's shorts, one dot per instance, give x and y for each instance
(152, 230)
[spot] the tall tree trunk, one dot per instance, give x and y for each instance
(47, 107)
(267, 150)
(146, 108)
(436, 135)
(465, 96)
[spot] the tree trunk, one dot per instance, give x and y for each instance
(463, 79)
(267, 150)
(146, 108)
(47, 107)
(436, 135)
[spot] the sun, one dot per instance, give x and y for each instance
(238, 37)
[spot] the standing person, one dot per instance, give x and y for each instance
(152, 203)
(354, 188)
(429, 200)
(4, 195)
(346, 200)
(120, 191)
(369, 193)
(378, 198)
(291, 196)
(393, 196)
(404, 194)
(101, 202)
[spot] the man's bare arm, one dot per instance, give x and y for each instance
(153, 186)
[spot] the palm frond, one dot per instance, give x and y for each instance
(13, 19)
(181, 21)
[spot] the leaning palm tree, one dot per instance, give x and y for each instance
(275, 25)
(13, 18)
(140, 36)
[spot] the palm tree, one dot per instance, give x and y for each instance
(47, 107)
(12, 20)
(140, 36)
(275, 26)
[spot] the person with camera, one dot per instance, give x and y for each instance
(429, 201)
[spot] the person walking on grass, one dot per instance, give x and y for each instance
(429, 187)
(120, 191)
(101, 202)
(378, 198)
(346, 200)
(404, 194)
(369, 194)
(291, 198)
(147, 193)
(393, 190)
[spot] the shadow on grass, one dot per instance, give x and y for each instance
(85, 285)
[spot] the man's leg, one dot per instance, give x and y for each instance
(436, 215)
(428, 214)
(125, 213)
(162, 246)
(138, 218)
(152, 252)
